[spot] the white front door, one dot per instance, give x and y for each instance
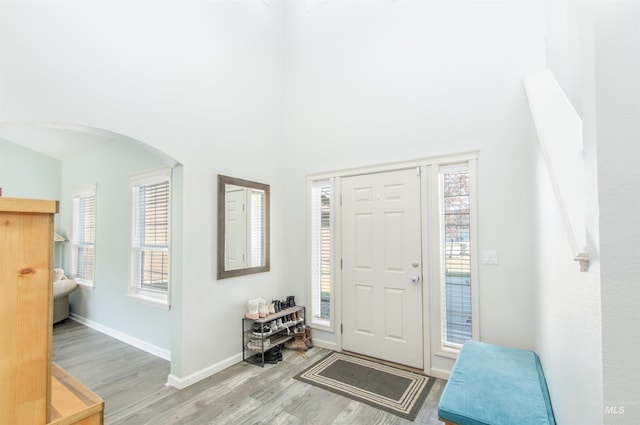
(235, 228)
(382, 268)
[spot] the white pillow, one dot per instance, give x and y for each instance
(57, 274)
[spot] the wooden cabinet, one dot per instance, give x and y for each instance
(26, 252)
(72, 402)
(26, 300)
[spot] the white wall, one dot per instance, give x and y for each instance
(563, 57)
(617, 129)
(200, 81)
(569, 337)
(381, 81)
(588, 322)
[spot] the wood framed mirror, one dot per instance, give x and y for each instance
(243, 227)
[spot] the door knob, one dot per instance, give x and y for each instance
(415, 264)
(415, 279)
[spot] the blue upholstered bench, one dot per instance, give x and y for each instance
(491, 385)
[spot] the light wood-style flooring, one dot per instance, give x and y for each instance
(132, 383)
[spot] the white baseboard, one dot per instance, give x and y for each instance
(440, 373)
(128, 339)
(182, 383)
(330, 345)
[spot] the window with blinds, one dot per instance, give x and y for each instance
(83, 237)
(150, 235)
(256, 234)
(455, 219)
(321, 228)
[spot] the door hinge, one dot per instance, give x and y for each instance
(418, 171)
(340, 328)
(340, 199)
(341, 264)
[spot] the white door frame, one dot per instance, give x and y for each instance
(422, 164)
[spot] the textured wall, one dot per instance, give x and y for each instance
(617, 64)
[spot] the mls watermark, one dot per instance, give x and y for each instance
(614, 410)
(622, 412)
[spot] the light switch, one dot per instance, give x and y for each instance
(489, 257)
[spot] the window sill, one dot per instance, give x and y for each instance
(321, 325)
(155, 302)
(85, 284)
(448, 352)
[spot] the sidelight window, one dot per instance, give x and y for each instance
(321, 251)
(457, 262)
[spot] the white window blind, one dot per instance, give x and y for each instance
(83, 235)
(455, 253)
(150, 234)
(321, 229)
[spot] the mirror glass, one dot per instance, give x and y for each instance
(243, 227)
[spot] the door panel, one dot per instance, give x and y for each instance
(393, 310)
(381, 236)
(363, 241)
(363, 307)
(393, 244)
(235, 240)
